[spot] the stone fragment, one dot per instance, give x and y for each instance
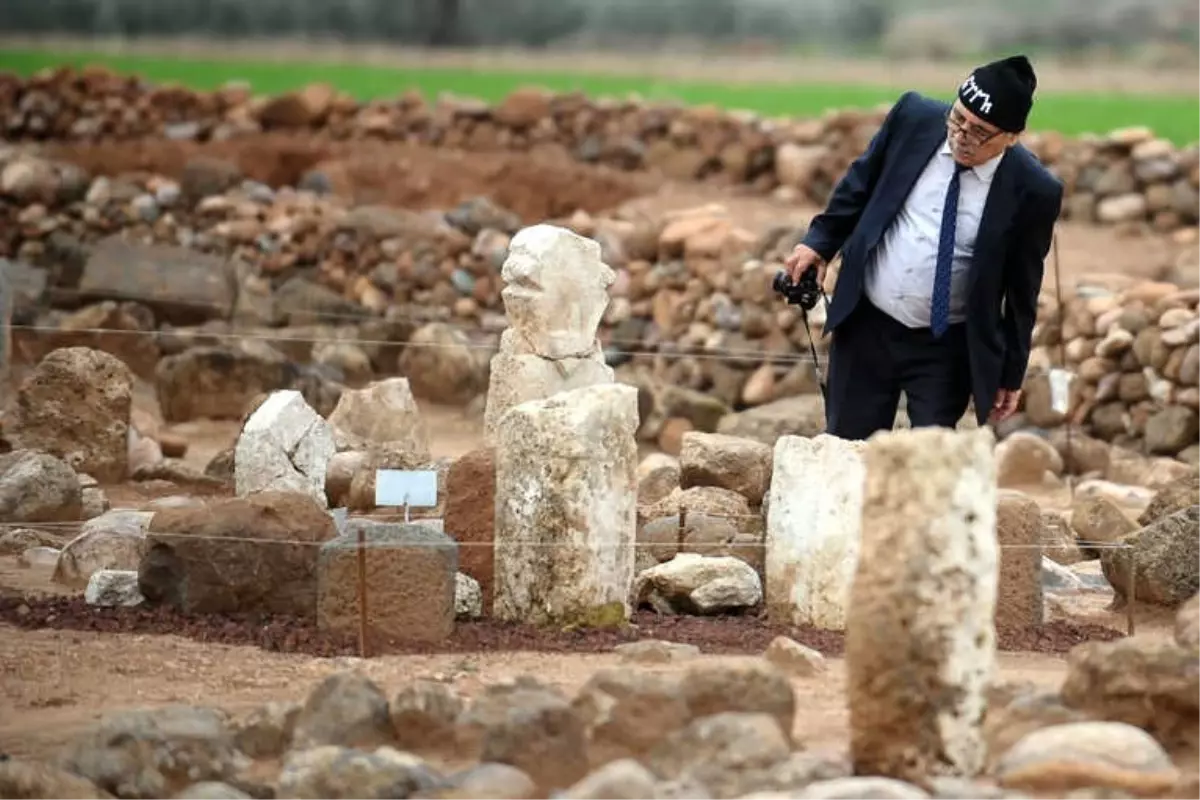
(346, 709)
(565, 506)
(1165, 557)
(285, 446)
(920, 635)
(75, 405)
(113, 541)
(470, 517)
(813, 523)
(696, 584)
(410, 579)
(38, 487)
(147, 753)
(381, 416)
(730, 462)
(1019, 532)
(237, 555)
(1057, 760)
(794, 658)
(21, 779)
(532, 728)
(109, 587)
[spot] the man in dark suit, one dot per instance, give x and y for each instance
(943, 225)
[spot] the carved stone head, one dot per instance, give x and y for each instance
(556, 290)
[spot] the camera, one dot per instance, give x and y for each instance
(804, 293)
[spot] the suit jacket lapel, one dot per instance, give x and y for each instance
(997, 212)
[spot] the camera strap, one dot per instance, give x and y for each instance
(812, 347)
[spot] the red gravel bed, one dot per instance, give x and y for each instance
(727, 634)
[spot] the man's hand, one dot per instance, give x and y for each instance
(1006, 404)
(801, 259)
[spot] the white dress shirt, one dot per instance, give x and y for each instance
(899, 278)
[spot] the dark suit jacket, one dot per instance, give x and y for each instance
(1014, 236)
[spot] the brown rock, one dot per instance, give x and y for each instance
(729, 462)
(228, 556)
(1174, 496)
(76, 406)
(410, 581)
(1187, 624)
(1019, 531)
(471, 516)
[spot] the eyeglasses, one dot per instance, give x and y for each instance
(957, 125)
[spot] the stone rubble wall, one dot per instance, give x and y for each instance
(1122, 176)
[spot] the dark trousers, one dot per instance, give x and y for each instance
(872, 358)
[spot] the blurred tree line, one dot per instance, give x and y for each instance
(920, 28)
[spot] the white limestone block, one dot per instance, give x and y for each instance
(565, 507)
(920, 635)
(284, 446)
(556, 291)
(516, 378)
(813, 521)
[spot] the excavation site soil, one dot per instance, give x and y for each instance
(63, 664)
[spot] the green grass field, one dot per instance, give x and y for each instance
(1175, 117)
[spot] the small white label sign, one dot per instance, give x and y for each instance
(398, 487)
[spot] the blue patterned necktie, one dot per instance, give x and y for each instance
(940, 308)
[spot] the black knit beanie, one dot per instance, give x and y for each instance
(1001, 93)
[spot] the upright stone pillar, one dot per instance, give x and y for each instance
(566, 507)
(813, 521)
(920, 636)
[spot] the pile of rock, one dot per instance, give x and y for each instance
(1126, 176)
(253, 290)
(1136, 355)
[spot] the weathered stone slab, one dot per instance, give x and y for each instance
(285, 446)
(1019, 527)
(813, 522)
(238, 554)
(382, 416)
(920, 632)
(182, 286)
(411, 582)
(76, 405)
(517, 378)
(566, 520)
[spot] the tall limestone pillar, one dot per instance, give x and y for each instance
(920, 634)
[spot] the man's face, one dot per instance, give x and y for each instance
(973, 141)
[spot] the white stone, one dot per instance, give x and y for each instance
(383, 415)
(516, 378)
(556, 291)
(813, 522)
(113, 587)
(565, 513)
(691, 583)
(468, 597)
(284, 446)
(114, 540)
(556, 294)
(920, 632)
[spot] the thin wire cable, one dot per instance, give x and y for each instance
(1046, 544)
(712, 355)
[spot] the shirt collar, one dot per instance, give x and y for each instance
(985, 171)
